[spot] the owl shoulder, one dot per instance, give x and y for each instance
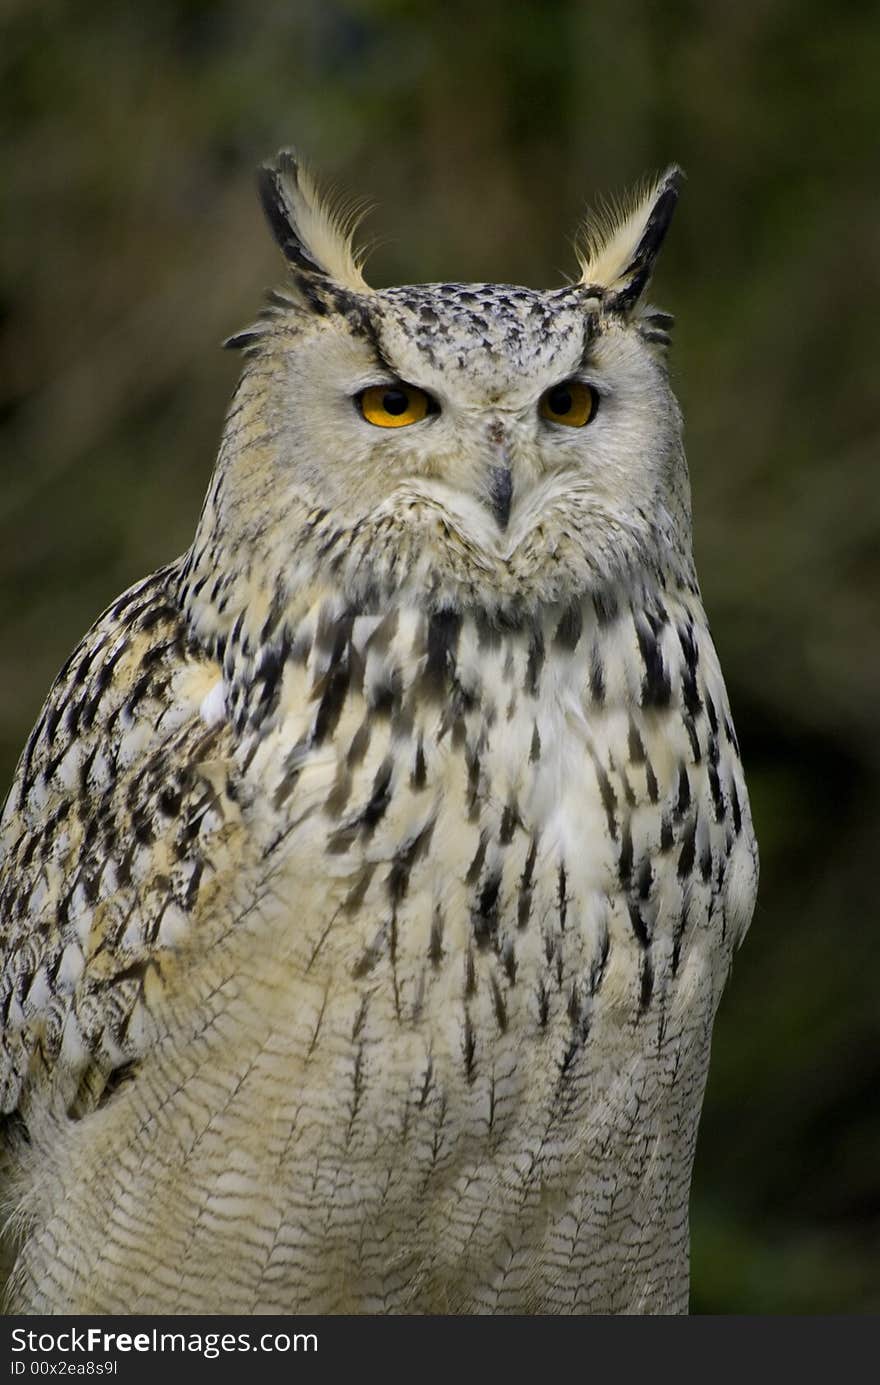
(123, 798)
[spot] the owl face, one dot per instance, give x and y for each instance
(464, 437)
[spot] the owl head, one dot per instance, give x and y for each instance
(457, 443)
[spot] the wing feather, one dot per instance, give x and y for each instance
(123, 802)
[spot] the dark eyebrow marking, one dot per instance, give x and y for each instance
(591, 322)
(363, 324)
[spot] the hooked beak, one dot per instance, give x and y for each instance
(500, 492)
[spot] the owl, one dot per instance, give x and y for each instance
(372, 875)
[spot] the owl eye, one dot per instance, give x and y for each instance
(394, 406)
(572, 402)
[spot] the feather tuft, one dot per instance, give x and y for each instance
(619, 241)
(315, 230)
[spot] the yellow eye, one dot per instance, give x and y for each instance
(572, 402)
(394, 406)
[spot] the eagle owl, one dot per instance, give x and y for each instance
(373, 872)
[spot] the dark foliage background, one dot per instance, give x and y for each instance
(132, 245)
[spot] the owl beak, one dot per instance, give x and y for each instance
(500, 493)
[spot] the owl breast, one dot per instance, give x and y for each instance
(459, 1008)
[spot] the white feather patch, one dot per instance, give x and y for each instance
(213, 705)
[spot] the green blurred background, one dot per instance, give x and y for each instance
(132, 244)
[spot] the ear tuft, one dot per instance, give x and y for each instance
(619, 243)
(315, 235)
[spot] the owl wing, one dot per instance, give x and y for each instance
(122, 814)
